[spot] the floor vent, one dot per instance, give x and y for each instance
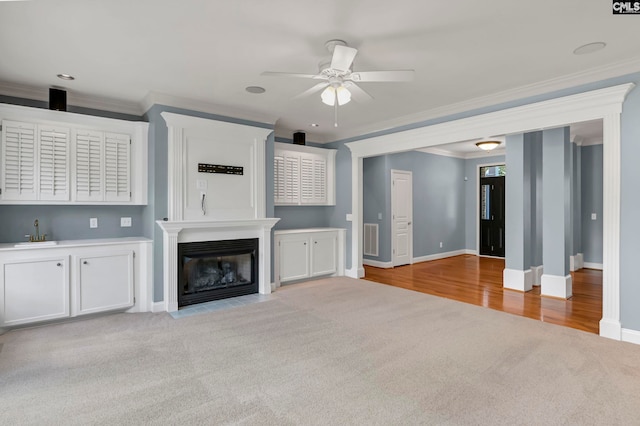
(371, 239)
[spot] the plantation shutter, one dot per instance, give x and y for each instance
(320, 180)
(18, 161)
(53, 168)
(89, 170)
(292, 179)
(306, 180)
(117, 165)
(279, 190)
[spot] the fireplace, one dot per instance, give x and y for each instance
(212, 270)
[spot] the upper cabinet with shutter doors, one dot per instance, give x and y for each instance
(53, 157)
(35, 162)
(303, 175)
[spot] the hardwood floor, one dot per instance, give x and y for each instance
(478, 280)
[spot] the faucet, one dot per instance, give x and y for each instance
(37, 238)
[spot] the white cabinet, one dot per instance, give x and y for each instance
(102, 166)
(308, 253)
(53, 157)
(104, 282)
(35, 162)
(35, 290)
(73, 278)
(303, 175)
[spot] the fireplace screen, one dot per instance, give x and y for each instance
(214, 270)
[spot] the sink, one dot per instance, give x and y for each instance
(36, 243)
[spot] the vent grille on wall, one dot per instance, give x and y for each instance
(371, 239)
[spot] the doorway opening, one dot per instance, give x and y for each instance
(492, 211)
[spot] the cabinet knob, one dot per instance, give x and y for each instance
(315, 242)
(58, 264)
(85, 262)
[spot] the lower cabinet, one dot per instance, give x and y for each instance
(104, 283)
(307, 253)
(35, 290)
(42, 284)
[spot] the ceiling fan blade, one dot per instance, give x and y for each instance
(377, 76)
(359, 94)
(343, 57)
(318, 87)
(288, 74)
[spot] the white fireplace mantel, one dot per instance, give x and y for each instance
(175, 232)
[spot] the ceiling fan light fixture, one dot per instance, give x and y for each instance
(343, 94)
(328, 96)
(487, 145)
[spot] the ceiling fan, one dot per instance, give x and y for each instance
(339, 80)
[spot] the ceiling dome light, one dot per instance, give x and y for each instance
(487, 145)
(589, 48)
(66, 77)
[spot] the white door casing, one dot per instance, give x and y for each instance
(401, 217)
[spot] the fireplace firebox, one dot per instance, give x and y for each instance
(213, 270)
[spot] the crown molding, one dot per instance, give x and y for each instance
(156, 98)
(547, 86)
(75, 99)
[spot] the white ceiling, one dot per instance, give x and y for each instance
(127, 54)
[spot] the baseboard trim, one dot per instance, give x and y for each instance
(439, 256)
(515, 279)
(377, 263)
(469, 251)
(157, 306)
(537, 272)
(556, 286)
(631, 336)
(610, 329)
(354, 272)
(590, 265)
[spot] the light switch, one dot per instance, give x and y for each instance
(93, 222)
(349, 217)
(593, 216)
(201, 184)
(379, 216)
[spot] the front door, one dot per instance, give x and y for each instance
(401, 217)
(492, 181)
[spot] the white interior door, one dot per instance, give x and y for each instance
(401, 217)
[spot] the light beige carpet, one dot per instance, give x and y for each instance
(335, 351)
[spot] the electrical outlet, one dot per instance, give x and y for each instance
(125, 222)
(93, 222)
(379, 216)
(440, 244)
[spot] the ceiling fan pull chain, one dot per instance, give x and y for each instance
(335, 113)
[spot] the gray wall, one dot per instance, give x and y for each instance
(591, 202)
(438, 201)
(471, 190)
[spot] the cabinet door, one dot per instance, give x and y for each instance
(19, 153)
(279, 180)
(35, 290)
(324, 253)
(104, 282)
(89, 174)
(117, 185)
(294, 257)
(53, 163)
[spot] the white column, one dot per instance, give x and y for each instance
(357, 269)
(170, 269)
(610, 323)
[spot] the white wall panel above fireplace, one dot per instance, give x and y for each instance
(194, 141)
